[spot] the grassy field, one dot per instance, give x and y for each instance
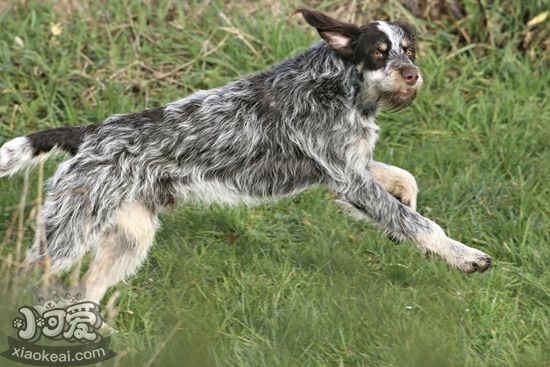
(297, 282)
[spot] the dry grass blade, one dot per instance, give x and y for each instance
(163, 345)
(244, 37)
(9, 230)
(21, 217)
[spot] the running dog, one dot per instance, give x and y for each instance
(307, 121)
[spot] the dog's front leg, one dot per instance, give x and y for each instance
(398, 182)
(361, 192)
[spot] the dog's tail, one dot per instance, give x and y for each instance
(25, 151)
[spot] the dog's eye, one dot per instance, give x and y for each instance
(410, 52)
(378, 54)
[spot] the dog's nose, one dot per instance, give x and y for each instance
(410, 75)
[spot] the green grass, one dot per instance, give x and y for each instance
(298, 282)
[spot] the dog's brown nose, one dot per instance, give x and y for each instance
(410, 75)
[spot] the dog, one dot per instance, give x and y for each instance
(307, 121)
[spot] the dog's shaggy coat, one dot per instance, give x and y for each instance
(309, 120)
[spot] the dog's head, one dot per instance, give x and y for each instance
(383, 52)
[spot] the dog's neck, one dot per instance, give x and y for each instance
(352, 79)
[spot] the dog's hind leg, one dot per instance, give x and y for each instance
(80, 203)
(120, 250)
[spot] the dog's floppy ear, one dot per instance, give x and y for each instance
(340, 36)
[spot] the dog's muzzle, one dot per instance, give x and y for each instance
(405, 82)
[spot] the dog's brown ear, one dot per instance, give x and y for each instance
(340, 36)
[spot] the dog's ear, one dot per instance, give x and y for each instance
(340, 36)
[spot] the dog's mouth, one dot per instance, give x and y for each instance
(391, 90)
(407, 92)
(398, 99)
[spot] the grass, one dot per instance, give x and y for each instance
(297, 282)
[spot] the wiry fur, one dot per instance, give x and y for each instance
(15, 155)
(309, 120)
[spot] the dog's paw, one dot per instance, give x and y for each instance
(478, 264)
(456, 254)
(468, 259)
(406, 196)
(405, 190)
(400, 183)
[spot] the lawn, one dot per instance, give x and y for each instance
(298, 282)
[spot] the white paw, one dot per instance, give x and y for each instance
(406, 194)
(468, 259)
(398, 182)
(456, 254)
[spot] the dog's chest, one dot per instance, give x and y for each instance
(369, 134)
(363, 141)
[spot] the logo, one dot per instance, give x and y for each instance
(60, 320)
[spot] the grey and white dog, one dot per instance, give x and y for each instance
(307, 121)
